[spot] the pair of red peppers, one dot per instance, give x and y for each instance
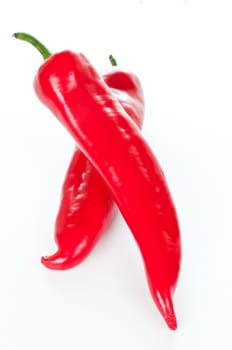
(104, 115)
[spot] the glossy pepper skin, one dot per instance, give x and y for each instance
(86, 206)
(71, 88)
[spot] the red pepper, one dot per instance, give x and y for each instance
(71, 88)
(86, 207)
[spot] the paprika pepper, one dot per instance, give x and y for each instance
(72, 89)
(86, 207)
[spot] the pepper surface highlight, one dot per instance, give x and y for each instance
(86, 207)
(72, 89)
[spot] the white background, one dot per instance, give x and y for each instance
(182, 52)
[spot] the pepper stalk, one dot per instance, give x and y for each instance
(43, 49)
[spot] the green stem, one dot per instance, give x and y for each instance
(112, 60)
(36, 43)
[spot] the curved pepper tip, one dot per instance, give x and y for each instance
(171, 321)
(58, 261)
(164, 303)
(52, 262)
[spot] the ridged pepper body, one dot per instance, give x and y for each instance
(72, 89)
(86, 206)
